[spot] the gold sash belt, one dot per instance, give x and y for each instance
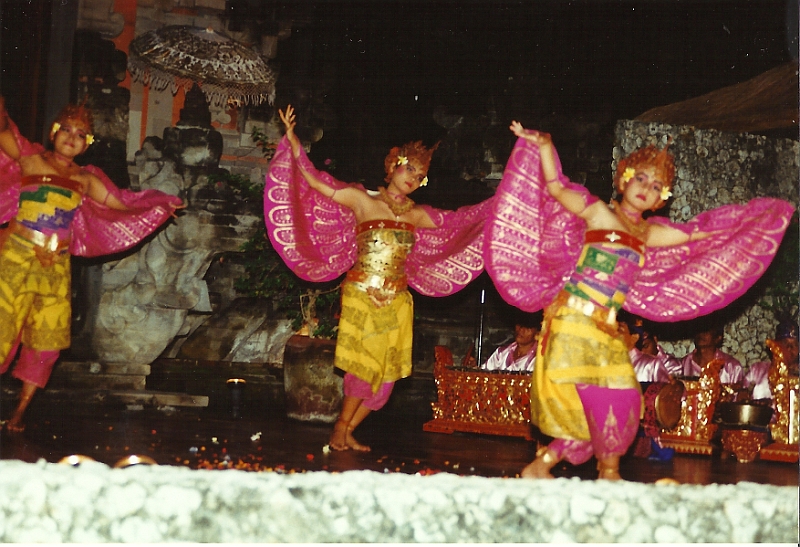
(50, 243)
(600, 314)
(366, 281)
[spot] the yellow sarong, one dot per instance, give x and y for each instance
(374, 343)
(376, 323)
(34, 299)
(573, 350)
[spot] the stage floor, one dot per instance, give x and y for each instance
(266, 440)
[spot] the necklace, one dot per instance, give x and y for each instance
(70, 170)
(398, 208)
(636, 229)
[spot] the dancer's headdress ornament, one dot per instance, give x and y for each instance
(401, 155)
(75, 113)
(648, 157)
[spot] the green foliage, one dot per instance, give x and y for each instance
(303, 302)
(241, 186)
(781, 292)
(262, 141)
(267, 276)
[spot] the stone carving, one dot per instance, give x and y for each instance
(150, 297)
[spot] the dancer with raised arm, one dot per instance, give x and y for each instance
(385, 242)
(553, 245)
(56, 209)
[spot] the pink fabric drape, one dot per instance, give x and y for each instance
(613, 418)
(315, 236)
(96, 229)
(356, 387)
(533, 245)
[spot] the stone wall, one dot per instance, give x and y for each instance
(93, 503)
(713, 169)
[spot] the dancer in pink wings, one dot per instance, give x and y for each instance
(56, 209)
(323, 227)
(553, 245)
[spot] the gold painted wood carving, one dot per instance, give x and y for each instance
(479, 401)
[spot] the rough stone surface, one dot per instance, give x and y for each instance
(244, 332)
(147, 296)
(53, 503)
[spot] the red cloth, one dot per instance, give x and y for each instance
(33, 366)
(613, 418)
(356, 387)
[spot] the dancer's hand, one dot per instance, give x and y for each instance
(288, 118)
(176, 208)
(289, 122)
(536, 137)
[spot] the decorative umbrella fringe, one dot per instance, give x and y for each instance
(246, 94)
(246, 70)
(179, 56)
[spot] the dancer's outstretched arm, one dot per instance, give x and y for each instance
(573, 201)
(349, 197)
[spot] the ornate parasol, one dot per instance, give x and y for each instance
(224, 69)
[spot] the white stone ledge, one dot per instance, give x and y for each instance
(93, 503)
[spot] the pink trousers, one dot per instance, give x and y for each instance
(32, 366)
(356, 387)
(613, 418)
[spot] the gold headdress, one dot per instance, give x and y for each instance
(400, 155)
(78, 114)
(650, 156)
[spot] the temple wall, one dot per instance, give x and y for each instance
(713, 169)
(93, 503)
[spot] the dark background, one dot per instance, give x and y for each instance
(378, 71)
(374, 74)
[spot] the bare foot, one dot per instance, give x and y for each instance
(537, 469)
(339, 436)
(354, 444)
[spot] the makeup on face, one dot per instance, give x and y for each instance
(413, 171)
(72, 129)
(644, 188)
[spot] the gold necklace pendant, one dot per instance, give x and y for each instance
(397, 209)
(636, 229)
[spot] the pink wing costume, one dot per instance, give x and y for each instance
(96, 230)
(533, 245)
(316, 236)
